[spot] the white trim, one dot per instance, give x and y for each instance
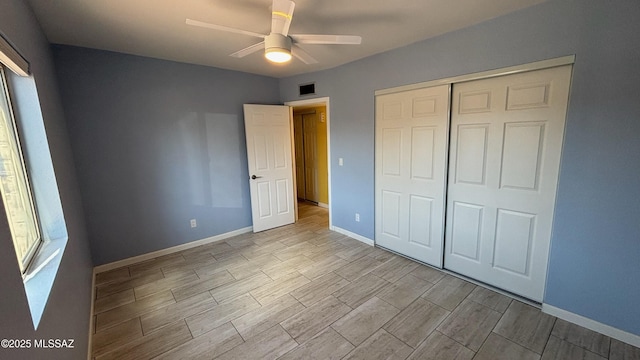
(93, 299)
(325, 101)
(323, 205)
(607, 330)
(171, 250)
(353, 235)
(544, 64)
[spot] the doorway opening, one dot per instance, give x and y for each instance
(312, 156)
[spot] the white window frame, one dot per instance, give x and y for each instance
(25, 191)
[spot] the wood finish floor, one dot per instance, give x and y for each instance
(304, 292)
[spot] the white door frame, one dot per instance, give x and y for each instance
(318, 101)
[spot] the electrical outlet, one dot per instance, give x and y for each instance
(357, 217)
(193, 223)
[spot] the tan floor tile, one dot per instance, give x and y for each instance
(157, 263)
(221, 265)
(206, 346)
(357, 268)
(322, 267)
(171, 313)
(264, 318)
(498, 348)
(585, 338)
(404, 291)
(355, 252)
(622, 351)
(490, 299)
(319, 288)
(351, 242)
(116, 336)
(254, 252)
(267, 345)
(196, 254)
(470, 324)
(294, 264)
(119, 286)
(364, 320)
(165, 284)
(126, 312)
(361, 290)
(379, 346)
(428, 274)
(113, 301)
(253, 267)
(309, 322)
(441, 347)
(297, 238)
(220, 314)
(395, 268)
(449, 292)
(558, 349)
(381, 254)
(220, 247)
(119, 274)
(416, 322)
(295, 250)
(240, 241)
(151, 345)
(284, 285)
(233, 289)
(327, 345)
(526, 326)
(202, 285)
(192, 263)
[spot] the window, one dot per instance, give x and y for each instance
(28, 184)
(14, 184)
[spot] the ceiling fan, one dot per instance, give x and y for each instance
(279, 45)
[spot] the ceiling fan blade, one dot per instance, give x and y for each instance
(222, 28)
(249, 50)
(304, 56)
(281, 15)
(327, 39)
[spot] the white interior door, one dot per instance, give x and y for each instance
(268, 134)
(506, 140)
(309, 122)
(411, 159)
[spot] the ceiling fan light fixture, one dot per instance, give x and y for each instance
(277, 48)
(278, 55)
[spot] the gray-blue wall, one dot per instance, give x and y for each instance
(67, 312)
(157, 143)
(594, 268)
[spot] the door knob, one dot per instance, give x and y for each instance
(255, 177)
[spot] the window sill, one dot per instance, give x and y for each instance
(39, 279)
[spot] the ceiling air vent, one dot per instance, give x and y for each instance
(307, 89)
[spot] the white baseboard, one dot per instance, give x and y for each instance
(323, 205)
(171, 250)
(604, 329)
(353, 235)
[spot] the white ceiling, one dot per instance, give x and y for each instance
(156, 28)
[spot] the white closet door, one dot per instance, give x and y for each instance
(411, 158)
(506, 140)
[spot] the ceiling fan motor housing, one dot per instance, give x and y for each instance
(276, 41)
